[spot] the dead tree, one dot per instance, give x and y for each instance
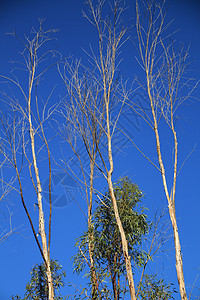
(24, 133)
(164, 69)
(111, 95)
(83, 113)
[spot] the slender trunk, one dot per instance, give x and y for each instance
(41, 217)
(117, 217)
(172, 213)
(179, 261)
(123, 239)
(114, 281)
(113, 277)
(114, 286)
(95, 287)
(118, 286)
(171, 200)
(39, 196)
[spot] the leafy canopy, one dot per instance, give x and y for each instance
(107, 248)
(154, 289)
(37, 287)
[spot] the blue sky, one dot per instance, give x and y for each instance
(19, 253)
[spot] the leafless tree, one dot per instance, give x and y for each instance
(165, 85)
(102, 105)
(83, 113)
(23, 133)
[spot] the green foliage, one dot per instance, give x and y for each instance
(134, 222)
(107, 248)
(37, 288)
(155, 289)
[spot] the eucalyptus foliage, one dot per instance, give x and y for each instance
(156, 289)
(107, 247)
(37, 287)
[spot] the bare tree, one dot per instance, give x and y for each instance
(164, 69)
(109, 97)
(83, 113)
(23, 134)
(110, 37)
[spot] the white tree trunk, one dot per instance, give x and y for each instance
(117, 217)
(39, 196)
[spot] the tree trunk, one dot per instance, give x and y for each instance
(171, 206)
(124, 241)
(39, 195)
(41, 218)
(114, 202)
(95, 287)
(179, 261)
(170, 199)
